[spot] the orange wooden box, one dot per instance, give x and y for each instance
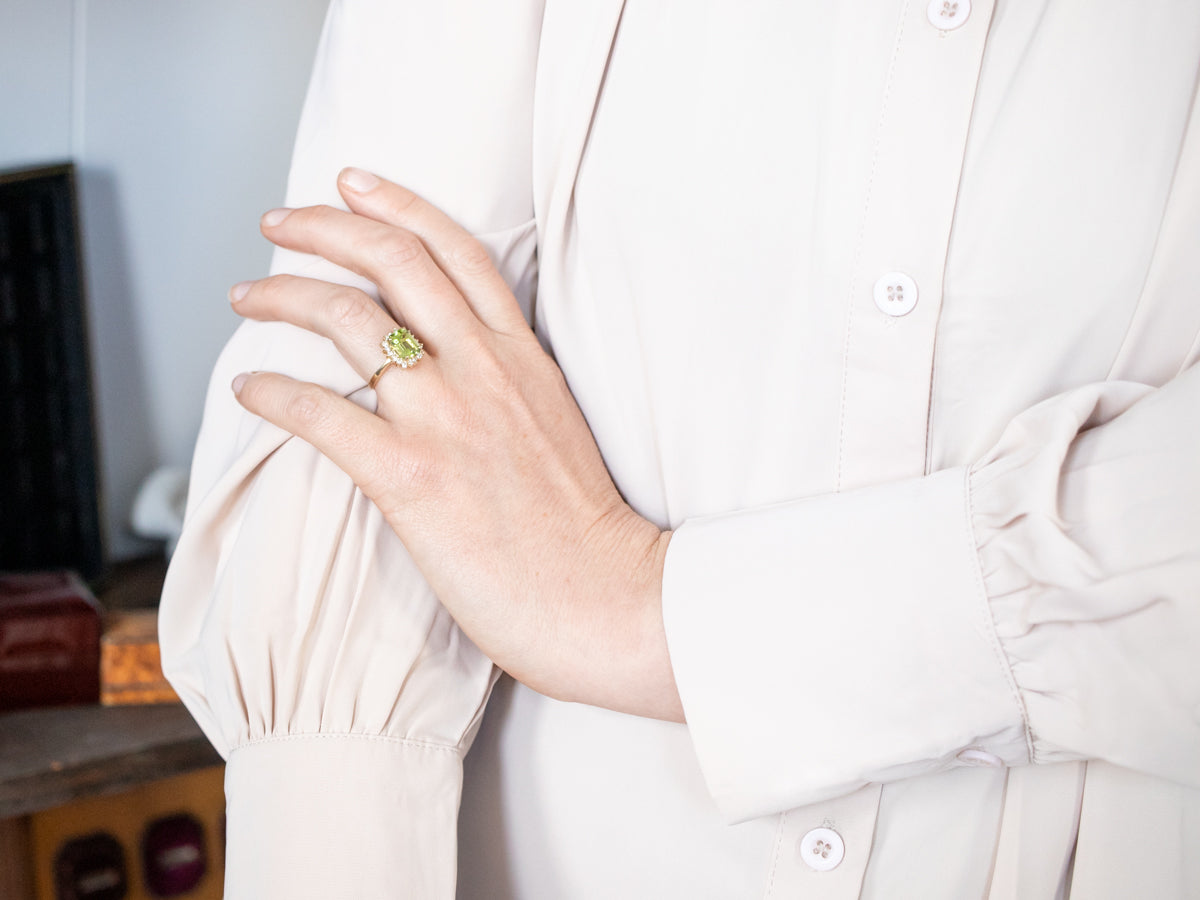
(130, 666)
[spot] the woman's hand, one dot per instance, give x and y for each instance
(478, 457)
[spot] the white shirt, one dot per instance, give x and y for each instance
(890, 310)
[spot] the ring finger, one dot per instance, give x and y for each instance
(350, 318)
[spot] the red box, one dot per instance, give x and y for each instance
(49, 640)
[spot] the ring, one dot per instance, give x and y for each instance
(378, 372)
(401, 348)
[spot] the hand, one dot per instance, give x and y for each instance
(478, 456)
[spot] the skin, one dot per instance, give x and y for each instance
(478, 455)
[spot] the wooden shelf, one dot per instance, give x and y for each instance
(56, 755)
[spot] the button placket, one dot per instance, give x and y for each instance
(891, 327)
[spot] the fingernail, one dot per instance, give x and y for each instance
(238, 382)
(358, 181)
(275, 216)
(240, 290)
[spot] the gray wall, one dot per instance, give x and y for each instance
(180, 119)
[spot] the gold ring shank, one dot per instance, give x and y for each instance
(379, 373)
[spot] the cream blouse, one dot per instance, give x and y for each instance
(890, 309)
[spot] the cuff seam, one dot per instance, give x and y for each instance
(989, 622)
(383, 738)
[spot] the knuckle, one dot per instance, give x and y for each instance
(306, 408)
(497, 378)
(474, 344)
(400, 249)
(350, 309)
(490, 371)
(470, 257)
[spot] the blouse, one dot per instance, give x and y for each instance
(890, 310)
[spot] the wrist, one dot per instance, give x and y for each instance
(614, 641)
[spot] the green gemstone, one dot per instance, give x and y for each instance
(402, 346)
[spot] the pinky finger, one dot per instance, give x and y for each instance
(356, 441)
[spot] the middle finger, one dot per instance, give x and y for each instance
(412, 286)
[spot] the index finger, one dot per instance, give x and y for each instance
(459, 254)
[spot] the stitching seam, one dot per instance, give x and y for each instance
(775, 855)
(302, 736)
(989, 623)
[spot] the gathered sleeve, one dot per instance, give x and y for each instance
(1039, 605)
(294, 625)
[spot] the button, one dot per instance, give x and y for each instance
(822, 849)
(895, 293)
(946, 15)
(973, 757)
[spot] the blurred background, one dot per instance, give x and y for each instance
(179, 120)
(140, 141)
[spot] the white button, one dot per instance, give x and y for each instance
(973, 757)
(822, 849)
(895, 293)
(946, 15)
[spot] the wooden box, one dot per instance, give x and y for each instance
(49, 640)
(130, 665)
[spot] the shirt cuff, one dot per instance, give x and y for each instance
(329, 815)
(830, 642)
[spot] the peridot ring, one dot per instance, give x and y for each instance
(402, 349)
